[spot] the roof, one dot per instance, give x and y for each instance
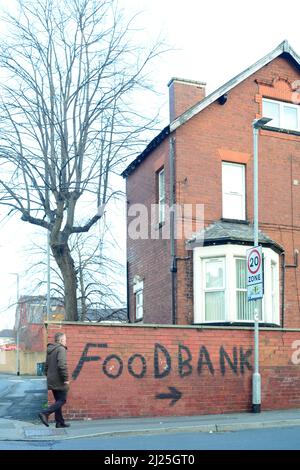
(36, 310)
(223, 232)
(40, 300)
(283, 48)
(105, 314)
(140, 158)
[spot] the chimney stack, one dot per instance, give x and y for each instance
(183, 94)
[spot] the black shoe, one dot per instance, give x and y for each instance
(44, 419)
(62, 425)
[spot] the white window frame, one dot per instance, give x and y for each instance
(281, 113)
(230, 253)
(242, 194)
(161, 195)
(138, 290)
(238, 289)
(212, 289)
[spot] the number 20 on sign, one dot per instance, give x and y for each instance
(254, 273)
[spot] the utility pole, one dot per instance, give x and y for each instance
(18, 325)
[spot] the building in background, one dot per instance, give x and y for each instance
(7, 340)
(31, 315)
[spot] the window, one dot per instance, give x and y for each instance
(244, 309)
(139, 305)
(138, 290)
(161, 195)
(233, 188)
(214, 288)
(284, 115)
(220, 286)
(274, 290)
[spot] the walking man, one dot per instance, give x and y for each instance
(56, 371)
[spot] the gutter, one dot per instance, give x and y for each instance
(142, 156)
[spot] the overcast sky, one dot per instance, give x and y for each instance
(212, 40)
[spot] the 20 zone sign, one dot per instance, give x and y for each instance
(254, 273)
(254, 261)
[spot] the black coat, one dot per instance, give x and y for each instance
(56, 368)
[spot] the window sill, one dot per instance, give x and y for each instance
(280, 132)
(235, 221)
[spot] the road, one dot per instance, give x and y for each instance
(22, 398)
(258, 439)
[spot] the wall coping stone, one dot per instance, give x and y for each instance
(157, 325)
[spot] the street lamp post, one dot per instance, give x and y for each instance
(256, 379)
(18, 326)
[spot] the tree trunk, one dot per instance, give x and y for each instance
(82, 291)
(62, 255)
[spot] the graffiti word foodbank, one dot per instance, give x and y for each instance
(182, 362)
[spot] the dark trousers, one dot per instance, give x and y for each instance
(60, 397)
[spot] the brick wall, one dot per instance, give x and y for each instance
(150, 258)
(125, 371)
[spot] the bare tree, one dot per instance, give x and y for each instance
(67, 123)
(99, 273)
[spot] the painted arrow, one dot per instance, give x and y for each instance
(174, 395)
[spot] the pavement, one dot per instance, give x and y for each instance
(22, 397)
(16, 430)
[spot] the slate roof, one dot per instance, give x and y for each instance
(222, 232)
(151, 146)
(105, 314)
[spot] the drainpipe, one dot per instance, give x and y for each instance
(173, 267)
(283, 289)
(284, 266)
(128, 292)
(295, 265)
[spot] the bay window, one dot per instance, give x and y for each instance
(244, 309)
(220, 286)
(214, 288)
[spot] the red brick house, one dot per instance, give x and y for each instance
(205, 157)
